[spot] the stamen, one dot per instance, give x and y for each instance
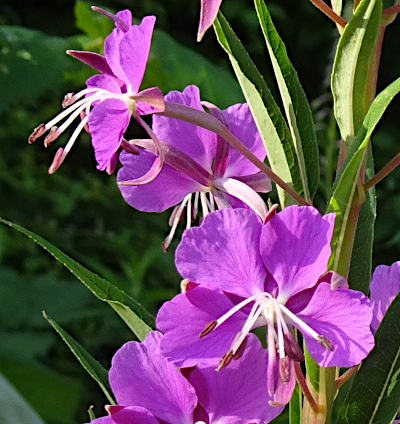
(325, 342)
(292, 347)
(208, 328)
(235, 309)
(242, 347)
(279, 320)
(75, 134)
(196, 204)
(36, 133)
(51, 136)
(248, 325)
(284, 369)
(211, 203)
(189, 213)
(68, 100)
(225, 360)
(165, 244)
(204, 205)
(57, 161)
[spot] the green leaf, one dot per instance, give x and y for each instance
(351, 80)
(295, 406)
(93, 367)
(32, 64)
(133, 313)
(269, 119)
(62, 394)
(13, 408)
(172, 66)
(93, 24)
(343, 195)
(297, 109)
(374, 395)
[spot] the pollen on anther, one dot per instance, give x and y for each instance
(208, 328)
(36, 133)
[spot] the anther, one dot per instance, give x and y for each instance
(68, 100)
(242, 347)
(51, 136)
(208, 328)
(325, 342)
(57, 161)
(36, 133)
(284, 369)
(225, 360)
(292, 347)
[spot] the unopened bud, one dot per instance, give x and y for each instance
(57, 161)
(36, 133)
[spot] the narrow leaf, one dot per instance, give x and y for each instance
(13, 408)
(269, 119)
(297, 110)
(374, 395)
(350, 74)
(133, 313)
(93, 367)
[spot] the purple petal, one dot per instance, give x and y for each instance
(112, 52)
(343, 316)
(244, 193)
(237, 394)
(385, 285)
(196, 142)
(208, 13)
(140, 374)
(134, 51)
(184, 317)
(166, 190)
(295, 247)
(223, 253)
(107, 82)
(108, 121)
(149, 101)
(94, 60)
(126, 17)
(242, 125)
(128, 415)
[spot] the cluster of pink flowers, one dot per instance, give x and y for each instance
(243, 267)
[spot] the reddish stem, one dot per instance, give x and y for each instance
(384, 172)
(303, 386)
(345, 376)
(325, 9)
(391, 10)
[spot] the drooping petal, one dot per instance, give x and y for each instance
(244, 193)
(184, 317)
(141, 376)
(134, 51)
(342, 316)
(242, 125)
(295, 247)
(223, 253)
(94, 60)
(149, 101)
(196, 142)
(108, 121)
(237, 394)
(107, 82)
(128, 415)
(208, 13)
(385, 285)
(166, 190)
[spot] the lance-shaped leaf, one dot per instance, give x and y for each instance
(93, 367)
(351, 79)
(13, 408)
(375, 392)
(343, 195)
(295, 103)
(267, 116)
(132, 312)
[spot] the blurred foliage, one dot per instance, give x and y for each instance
(80, 209)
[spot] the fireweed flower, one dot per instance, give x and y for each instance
(250, 274)
(385, 286)
(199, 166)
(150, 390)
(208, 13)
(110, 99)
